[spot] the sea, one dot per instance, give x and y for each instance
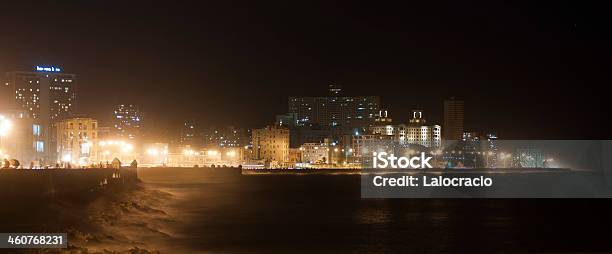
(170, 212)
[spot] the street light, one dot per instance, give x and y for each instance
(152, 152)
(67, 157)
(5, 126)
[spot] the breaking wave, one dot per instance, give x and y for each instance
(131, 221)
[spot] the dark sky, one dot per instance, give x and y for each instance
(525, 70)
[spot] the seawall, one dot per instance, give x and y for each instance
(31, 184)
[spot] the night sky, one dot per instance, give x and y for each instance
(525, 70)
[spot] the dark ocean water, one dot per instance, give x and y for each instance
(231, 213)
(325, 214)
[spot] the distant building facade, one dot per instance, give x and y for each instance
(128, 121)
(46, 95)
(43, 94)
(472, 151)
(419, 133)
(288, 120)
(383, 117)
(295, 155)
(190, 135)
(318, 134)
(528, 158)
(416, 132)
(225, 137)
(335, 109)
(364, 145)
(388, 130)
(271, 144)
(491, 150)
(22, 138)
(315, 153)
(77, 140)
(453, 119)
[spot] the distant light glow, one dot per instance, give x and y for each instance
(153, 152)
(67, 157)
(5, 126)
(188, 152)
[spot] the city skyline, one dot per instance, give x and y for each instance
(169, 130)
(304, 127)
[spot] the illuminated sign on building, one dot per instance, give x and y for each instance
(48, 69)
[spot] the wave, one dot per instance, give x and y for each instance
(130, 221)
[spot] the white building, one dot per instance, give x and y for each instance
(417, 132)
(388, 130)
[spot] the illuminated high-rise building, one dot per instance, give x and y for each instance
(491, 150)
(335, 110)
(127, 121)
(453, 119)
(46, 93)
(190, 135)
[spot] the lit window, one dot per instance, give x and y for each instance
(36, 130)
(40, 146)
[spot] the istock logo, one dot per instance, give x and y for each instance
(381, 160)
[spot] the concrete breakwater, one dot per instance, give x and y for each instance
(20, 184)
